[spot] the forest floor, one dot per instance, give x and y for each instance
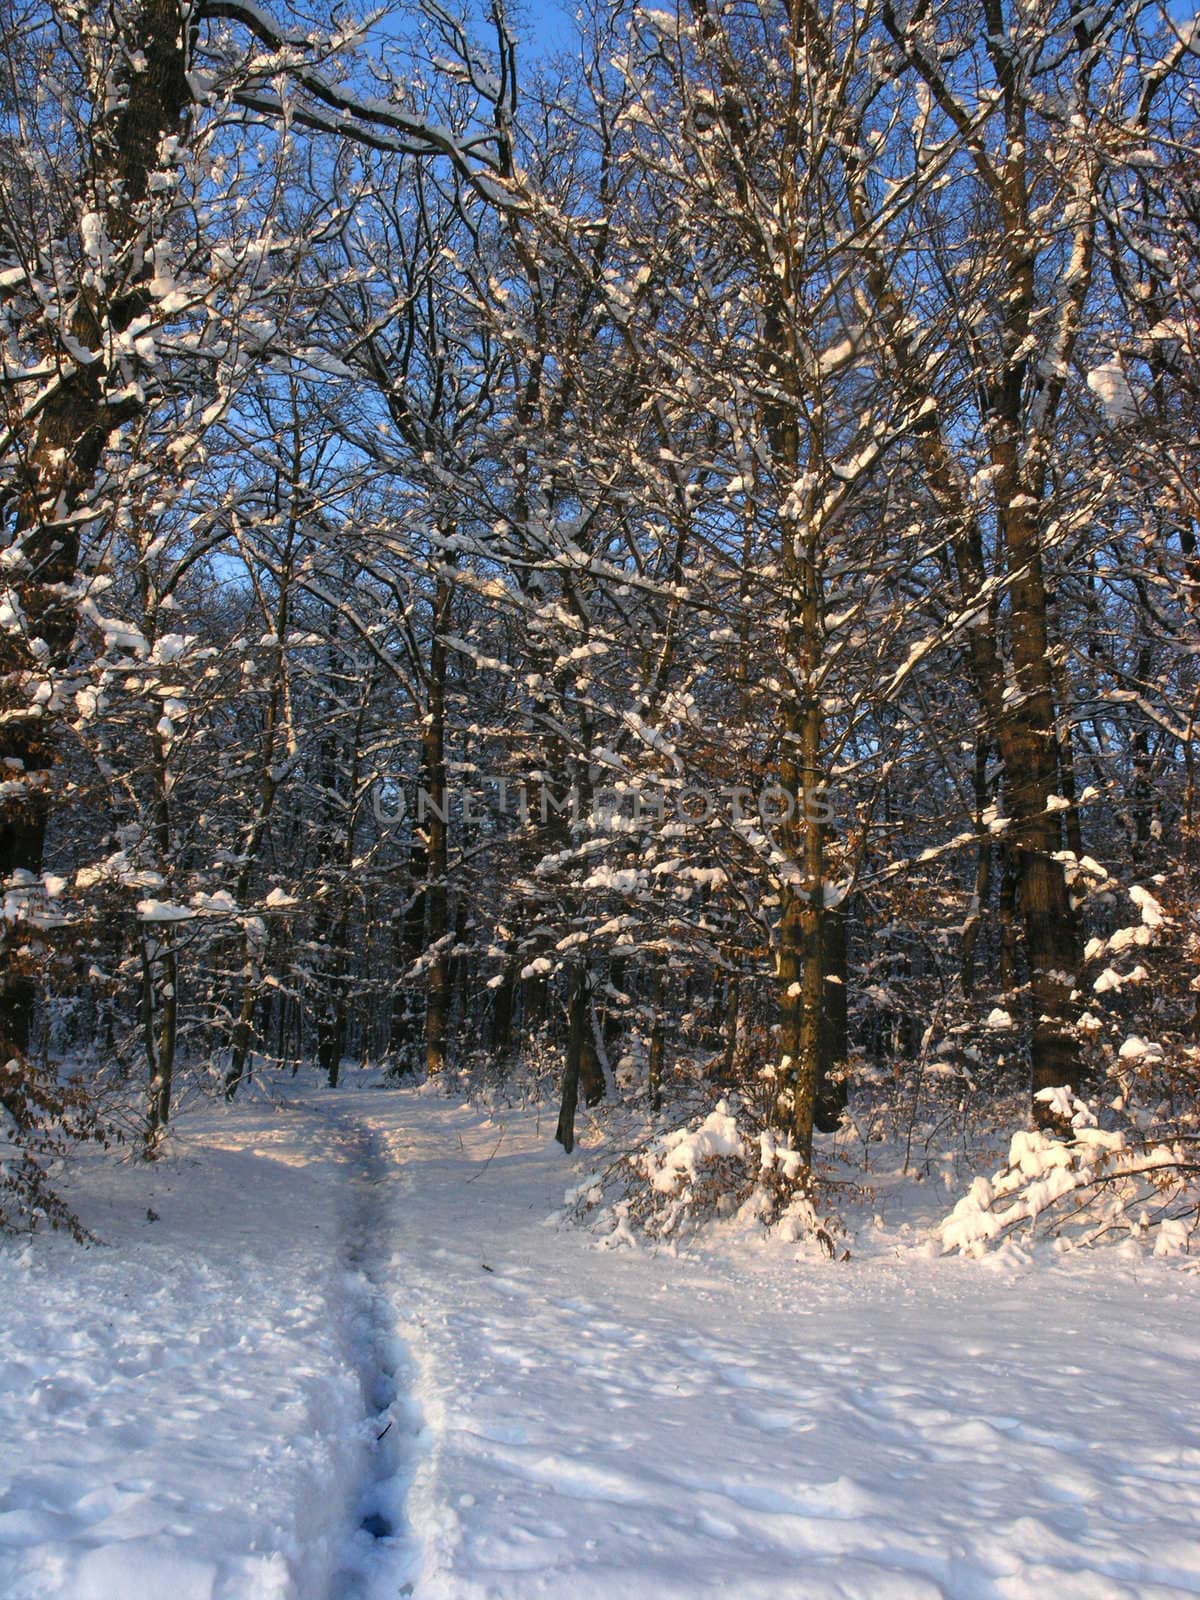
(342, 1346)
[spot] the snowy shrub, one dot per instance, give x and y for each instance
(1126, 1163)
(1094, 1183)
(716, 1166)
(40, 1119)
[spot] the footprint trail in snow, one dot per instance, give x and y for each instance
(380, 1558)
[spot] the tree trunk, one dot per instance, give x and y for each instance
(243, 1029)
(577, 1015)
(1029, 745)
(833, 1096)
(973, 925)
(1008, 922)
(163, 1069)
(433, 744)
(801, 955)
(591, 1070)
(503, 999)
(658, 1035)
(732, 1022)
(407, 1024)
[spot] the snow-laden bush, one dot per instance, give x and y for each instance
(717, 1165)
(1094, 1183)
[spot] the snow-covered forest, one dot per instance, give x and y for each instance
(618, 623)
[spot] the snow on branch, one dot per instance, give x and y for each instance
(1093, 1184)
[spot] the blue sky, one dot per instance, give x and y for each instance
(544, 25)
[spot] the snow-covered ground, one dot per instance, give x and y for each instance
(357, 1355)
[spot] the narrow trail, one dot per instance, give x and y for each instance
(733, 1420)
(381, 1556)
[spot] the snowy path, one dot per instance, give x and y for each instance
(386, 1559)
(608, 1424)
(191, 1411)
(196, 1413)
